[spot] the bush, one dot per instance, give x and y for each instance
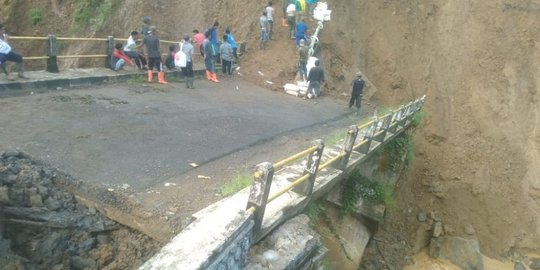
(93, 12)
(357, 187)
(35, 15)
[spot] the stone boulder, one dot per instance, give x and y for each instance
(462, 252)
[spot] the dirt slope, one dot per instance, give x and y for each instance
(478, 151)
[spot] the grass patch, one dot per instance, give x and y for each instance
(93, 13)
(239, 182)
(35, 15)
(334, 138)
(357, 187)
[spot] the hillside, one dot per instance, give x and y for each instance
(479, 147)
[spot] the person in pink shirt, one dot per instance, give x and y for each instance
(198, 38)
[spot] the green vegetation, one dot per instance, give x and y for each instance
(35, 15)
(334, 138)
(399, 152)
(313, 212)
(357, 187)
(93, 13)
(239, 182)
(417, 118)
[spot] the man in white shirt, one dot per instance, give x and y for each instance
(7, 54)
(291, 19)
(270, 17)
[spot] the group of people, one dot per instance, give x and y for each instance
(7, 54)
(182, 56)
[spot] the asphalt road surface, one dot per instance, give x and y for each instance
(139, 135)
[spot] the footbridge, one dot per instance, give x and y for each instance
(221, 235)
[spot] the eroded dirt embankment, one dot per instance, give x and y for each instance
(42, 226)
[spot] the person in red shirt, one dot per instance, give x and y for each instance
(119, 58)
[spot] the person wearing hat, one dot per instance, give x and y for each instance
(303, 55)
(154, 56)
(357, 91)
(146, 26)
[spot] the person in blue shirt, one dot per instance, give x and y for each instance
(301, 31)
(230, 40)
(213, 37)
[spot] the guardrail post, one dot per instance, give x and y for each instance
(381, 134)
(368, 137)
(312, 166)
(52, 64)
(110, 51)
(260, 189)
(348, 146)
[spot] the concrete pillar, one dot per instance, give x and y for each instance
(260, 189)
(352, 132)
(312, 166)
(109, 52)
(364, 149)
(52, 52)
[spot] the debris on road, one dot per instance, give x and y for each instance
(169, 184)
(203, 177)
(260, 73)
(193, 164)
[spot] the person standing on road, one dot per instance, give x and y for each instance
(7, 54)
(154, 56)
(315, 78)
(226, 52)
(213, 38)
(209, 60)
(263, 24)
(357, 92)
(187, 49)
(270, 17)
(199, 39)
(303, 54)
(230, 40)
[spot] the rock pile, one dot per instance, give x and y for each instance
(43, 227)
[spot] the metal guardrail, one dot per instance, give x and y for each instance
(380, 129)
(52, 50)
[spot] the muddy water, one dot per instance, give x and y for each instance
(424, 262)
